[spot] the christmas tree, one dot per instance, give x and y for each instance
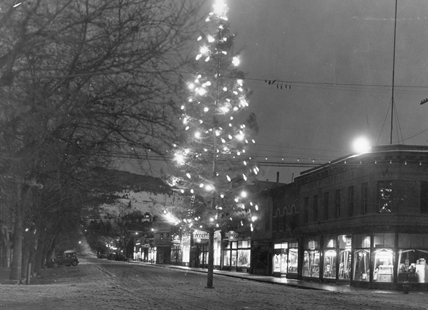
(214, 163)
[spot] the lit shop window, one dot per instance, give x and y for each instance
(361, 257)
(311, 259)
(280, 264)
(345, 244)
(383, 266)
(330, 254)
(412, 258)
(330, 264)
(293, 256)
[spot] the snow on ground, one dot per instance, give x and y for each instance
(102, 284)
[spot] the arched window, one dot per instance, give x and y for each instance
(284, 219)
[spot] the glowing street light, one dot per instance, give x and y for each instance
(361, 145)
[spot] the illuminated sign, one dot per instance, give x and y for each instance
(231, 234)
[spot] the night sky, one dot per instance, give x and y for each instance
(337, 55)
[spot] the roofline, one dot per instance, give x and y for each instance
(376, 150)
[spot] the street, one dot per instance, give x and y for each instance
(103, 284)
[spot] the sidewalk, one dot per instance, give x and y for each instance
(303, 284)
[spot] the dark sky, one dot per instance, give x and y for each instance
(337, 55)
(313, 45)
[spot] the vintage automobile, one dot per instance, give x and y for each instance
(120, 257)
(68, 258)
(111, 256)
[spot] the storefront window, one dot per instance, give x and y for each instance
(185, 245)
(280, 258)
(311, 258)
(361, 244)
(243, 258)
(412, 266)
(311, 264)
(293, 256)
(217, 248)
(226, 257)
(361, 265)
(344, 264)
(383, 265)
(330, 264)
(237, 254)
(305, 268)
(345, 244)
(203, 255)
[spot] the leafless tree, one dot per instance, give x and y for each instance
(82, 82)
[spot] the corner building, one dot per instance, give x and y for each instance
(363, 219)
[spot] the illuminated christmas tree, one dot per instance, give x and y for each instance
(214, 161)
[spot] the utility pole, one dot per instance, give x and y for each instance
(393, 73)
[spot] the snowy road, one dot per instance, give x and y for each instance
(102, 284)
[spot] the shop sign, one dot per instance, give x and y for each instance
(231, 234)
(176, 240)
(199, 235)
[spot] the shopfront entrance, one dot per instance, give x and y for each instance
(285, 259)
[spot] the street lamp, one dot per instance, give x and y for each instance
(361, 145)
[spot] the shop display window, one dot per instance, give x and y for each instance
(243, 258)
(344, 264)
(311, 264)
(237, 254)
(383, 265)
(203, 258)
(233, 258)
(226, 258)
(280, 264)
(330, 264)
(217, 249)
(344, 261)
(361, 265)
(293, 256)
(412, 265)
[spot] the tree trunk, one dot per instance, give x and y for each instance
(18, 235)
(25, 258)
(210, 277)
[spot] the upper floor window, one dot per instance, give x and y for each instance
(350, 200)
(337, 200)
(284, 219)
(326, 202)
(306, 210)
(275, 222)
(385, 196)
(315, 208)
(364, 197)
(424, 197)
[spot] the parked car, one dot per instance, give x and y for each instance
(111, 256)
(68, 258)
(102, 255)
(120, 257)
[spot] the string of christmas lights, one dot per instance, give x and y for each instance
(215, 167)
